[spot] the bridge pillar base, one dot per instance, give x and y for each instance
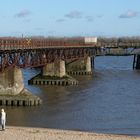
(53, 80)
(11, 81)
(88, 64)
(53, 74)
(12, 92)
(81, 67)
(55, 69)
(25, 98)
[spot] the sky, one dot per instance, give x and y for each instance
(61, 18)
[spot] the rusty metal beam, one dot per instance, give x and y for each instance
(38, 57)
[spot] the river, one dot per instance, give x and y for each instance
(106, 102)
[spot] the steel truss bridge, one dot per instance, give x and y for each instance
(24, 53)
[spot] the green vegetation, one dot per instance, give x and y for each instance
(39, 76)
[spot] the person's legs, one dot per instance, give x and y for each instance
(3, 124)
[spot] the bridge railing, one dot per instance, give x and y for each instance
(15, 44)
(118, 44)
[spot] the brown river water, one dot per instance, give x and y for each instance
(106, 102)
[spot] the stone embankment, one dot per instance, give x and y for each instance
(22, 133)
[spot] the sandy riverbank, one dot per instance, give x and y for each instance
(23, 133)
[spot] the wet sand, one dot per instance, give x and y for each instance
(26, 133)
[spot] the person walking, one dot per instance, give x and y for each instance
(3, 119)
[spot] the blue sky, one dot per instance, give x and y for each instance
(70, 17)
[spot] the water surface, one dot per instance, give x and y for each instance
(106, 102)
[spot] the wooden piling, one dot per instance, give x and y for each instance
(59, 82)
(134, 62)
(19, 101)
(138, 62)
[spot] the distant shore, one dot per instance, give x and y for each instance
(28, 133)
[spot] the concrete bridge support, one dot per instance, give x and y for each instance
(55, 69)
(81, 67)
(12, 92)
(54, 74)
(11, 81)
(88, 64)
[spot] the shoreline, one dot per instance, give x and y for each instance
(29, 133)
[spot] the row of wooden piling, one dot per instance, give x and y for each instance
(79, 73)
(36, 81)
(19, 102)
(40, 80)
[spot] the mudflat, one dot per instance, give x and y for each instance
(29, 133)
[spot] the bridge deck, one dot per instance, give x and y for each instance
(39, 43)
(8, 47)
(24, 43)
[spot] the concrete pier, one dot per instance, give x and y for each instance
(12, 92)
(53, 80)
(55, 69)
(11, 82)
(88, 64)
(53, 74)
(80, 67)
(25, 98)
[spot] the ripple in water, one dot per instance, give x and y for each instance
(106, 102)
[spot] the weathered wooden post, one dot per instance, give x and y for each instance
(138, 62)
(134, 62)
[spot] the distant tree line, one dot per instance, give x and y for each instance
(119, 41)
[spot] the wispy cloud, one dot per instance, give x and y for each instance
(23, 13)
(89, 18)
(74, 15)
(129, 14)
(99, 16)
(60, 20)
(27, 20)
(39, 28)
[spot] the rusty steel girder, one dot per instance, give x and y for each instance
(40, 57)
(11, 43)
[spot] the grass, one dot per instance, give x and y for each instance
(51, 77)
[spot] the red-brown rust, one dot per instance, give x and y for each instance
(30, 43)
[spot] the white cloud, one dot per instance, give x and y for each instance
(23, 13)
(129, 14)
(74, 15)
(89, 18)
(99, 16)
(60, 20)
